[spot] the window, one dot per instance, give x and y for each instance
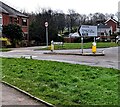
(24, 22)
(0, 23)
(0, 20)
(0, 29)
(11, 20)
(15, 20)
(102, 33)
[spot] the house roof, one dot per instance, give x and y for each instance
(4, 8)
(112, 20)
(73, 35)
(103, 26)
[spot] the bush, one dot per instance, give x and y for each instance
(13, 32)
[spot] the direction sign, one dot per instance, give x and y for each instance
(86, 30)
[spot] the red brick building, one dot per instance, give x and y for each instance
(112, 23)
(9, 15)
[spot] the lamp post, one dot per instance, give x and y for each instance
(46, 25)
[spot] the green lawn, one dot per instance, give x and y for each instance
(89, 45)
(4, 49)
(85, 45)
(62, 83)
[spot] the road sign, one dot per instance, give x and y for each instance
(86, 30)
(46, 24)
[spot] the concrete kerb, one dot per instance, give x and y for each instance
(80, 54)
(31, 96)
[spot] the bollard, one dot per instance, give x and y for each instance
(94, 47)
(52, 46)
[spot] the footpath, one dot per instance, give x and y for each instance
(13, 97)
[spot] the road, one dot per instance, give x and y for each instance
(110, 60)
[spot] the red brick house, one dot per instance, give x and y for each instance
(9, 15)
(112, 23)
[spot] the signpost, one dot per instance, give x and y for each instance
(82, 44)
(87, 30)
(46, 25)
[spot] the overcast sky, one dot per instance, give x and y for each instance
(80, 6)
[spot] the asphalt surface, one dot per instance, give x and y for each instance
(110, 60)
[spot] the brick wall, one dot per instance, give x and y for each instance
(8, 20)
(5, 19)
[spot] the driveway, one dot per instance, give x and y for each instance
(110, 60)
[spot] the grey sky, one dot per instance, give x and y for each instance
(80, 6)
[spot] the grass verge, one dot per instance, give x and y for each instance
(4, 49)
(85, 45)
(62, 83)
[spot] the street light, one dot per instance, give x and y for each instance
(46, 25)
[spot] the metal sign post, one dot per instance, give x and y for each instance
(46, 25)
(87, 31)
(82, 44)
(94, 39)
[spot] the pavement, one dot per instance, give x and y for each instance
(11, 96)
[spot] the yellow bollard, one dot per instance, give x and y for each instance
(94, 47)
(52, 45)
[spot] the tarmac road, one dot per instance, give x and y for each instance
(110, 60)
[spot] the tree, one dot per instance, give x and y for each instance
(37, 26)
(72, 19)
(13, 32)
(60, 21)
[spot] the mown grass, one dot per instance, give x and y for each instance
(89, 45)
(4, 49)
(85, 45)
(62, 83)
